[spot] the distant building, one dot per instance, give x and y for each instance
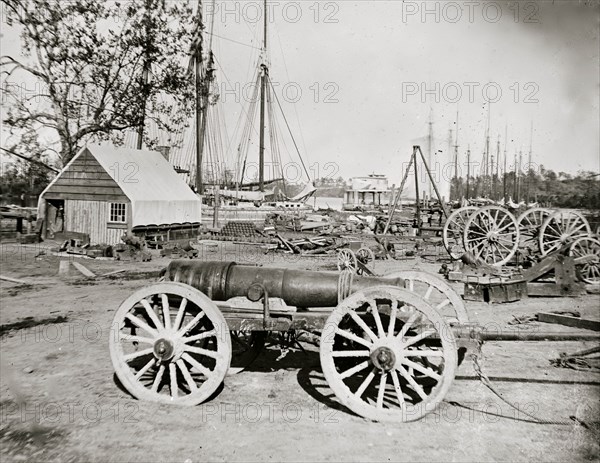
(369, 191)
(104, 192)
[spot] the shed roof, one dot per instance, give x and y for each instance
(157, 194)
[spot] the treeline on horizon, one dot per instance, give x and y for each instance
(546, 187)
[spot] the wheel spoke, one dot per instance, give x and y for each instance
(139, 353)
(152, 314)
(198, 350)
(191, 324)
(195, 364)
(145, 368)
(180, 314)
(428, 293)
(381, 392)
(173, 378)
(198, 337)
(360, 322)
(140, 324)
(397, 387)
(422, 353)
(418, 338)
(413, 384)
(353, 337)
(354, 370)
(158, 378)
(393, 315)
(442, 304)
(132, 338)
(421, 369)
(350, 353)
(365, 384)
(377, 318)
(166, 311)
(407, 325)
(186, 375)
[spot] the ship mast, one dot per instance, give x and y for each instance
(263, 91)
(529, 164)
(200, 125)
(459, 193)
(486, 171)
(505, 162)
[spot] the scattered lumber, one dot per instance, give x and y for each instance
(567, 320)
(14, 280)
(84, 270)
(114, 272)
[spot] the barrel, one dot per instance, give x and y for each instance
(300, 288)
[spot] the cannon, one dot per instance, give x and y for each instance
(389, 346)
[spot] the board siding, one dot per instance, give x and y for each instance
(92, 217)
(85, 179)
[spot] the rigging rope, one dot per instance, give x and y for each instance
(290, 131)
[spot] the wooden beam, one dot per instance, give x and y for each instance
(566, 320)
(84, 270)
(14, 280)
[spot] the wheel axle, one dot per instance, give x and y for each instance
(383, 358)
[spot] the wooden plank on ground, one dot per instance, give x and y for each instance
(14, 280)
(114, 272)
(84, 270)
(566, 320)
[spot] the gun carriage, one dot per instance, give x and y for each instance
(389, 346)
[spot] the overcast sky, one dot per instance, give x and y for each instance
(371, 73)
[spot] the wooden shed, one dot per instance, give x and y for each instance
(105, 191)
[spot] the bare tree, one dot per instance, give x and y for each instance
(103, 67)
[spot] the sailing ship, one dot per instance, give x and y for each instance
(229, 192)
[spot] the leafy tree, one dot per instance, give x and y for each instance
(104, 67)
(22, 177)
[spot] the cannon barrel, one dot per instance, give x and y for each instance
(300, 288)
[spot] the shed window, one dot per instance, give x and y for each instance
(118, 212)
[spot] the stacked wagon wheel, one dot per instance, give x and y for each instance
(364, 256)
(436, 292)
(530, 222)
(492, 235)
(346, 260)
(452, 235)
(588, 250)
(169, 343)
(388, 355)
(561, 229)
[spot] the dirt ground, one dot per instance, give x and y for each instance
(59, 400)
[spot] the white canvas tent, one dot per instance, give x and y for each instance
(157, 193)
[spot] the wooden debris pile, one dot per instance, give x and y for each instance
(322, 244)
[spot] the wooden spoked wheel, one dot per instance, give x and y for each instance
(530, 223)
(365, 255)
(388, 355)
(452, 235)
(169, 343)
(562, 228)
(346, 260)
(492, 235)
(436, 292)
(589, 248)
(246, 347)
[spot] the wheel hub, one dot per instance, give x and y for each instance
(383, 358)
(164, 349)
(492, 236)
